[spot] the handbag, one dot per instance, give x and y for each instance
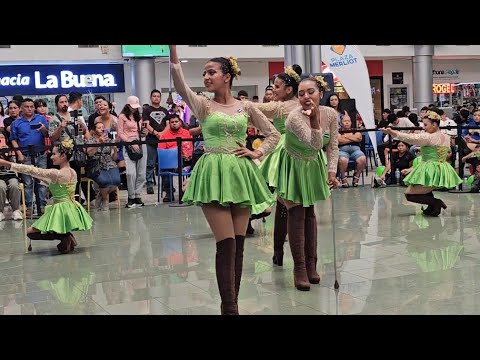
(132, 154)
(92, 167)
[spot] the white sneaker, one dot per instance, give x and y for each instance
(17, 215)
(2, 217)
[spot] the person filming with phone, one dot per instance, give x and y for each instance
(31, 129)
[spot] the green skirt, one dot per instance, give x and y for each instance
(302, 181)
(226, 179)
(63, 217)
(433, 173)
(269, 165)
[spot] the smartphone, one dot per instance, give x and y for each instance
(35, 126)
(144, 125)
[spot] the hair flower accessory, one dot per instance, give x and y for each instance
(290, 72)
(322, 82)
(234, 64)
(432, 115)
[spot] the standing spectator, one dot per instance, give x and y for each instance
(154, 114)
(130, 128)
(13, 114)
(2, 115)
(91, 119)
(31, 129)
(269, 94)
(62, 127)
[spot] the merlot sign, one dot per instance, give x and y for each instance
(61, 79)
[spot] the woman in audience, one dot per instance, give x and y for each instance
(225, 181)
(107, 177)
(403, 161)
(433, 171)
(349, 147)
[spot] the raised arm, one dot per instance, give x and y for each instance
(420, 139)
(46, 175)
(261, 122)
(197, 103)
(299, 124)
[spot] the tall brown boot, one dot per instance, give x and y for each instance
(311, 245)
(67, 243)
(240, 244)
(225, 269)
(296, 238)
(279, 233)
(434, 204)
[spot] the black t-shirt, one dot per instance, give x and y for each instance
(6, 123)
(156, 118)
(403, 162)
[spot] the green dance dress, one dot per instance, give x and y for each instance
(302, 170)
(222, 177)
(278, 111)
(433, 169)
(66, 214)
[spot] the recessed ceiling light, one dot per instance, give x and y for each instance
(184, 61)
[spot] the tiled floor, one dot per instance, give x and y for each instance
(160, 260)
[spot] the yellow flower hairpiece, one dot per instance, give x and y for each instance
(322, 81)
(432, 115)
(234, 64)
(290, 72)
(67, 144)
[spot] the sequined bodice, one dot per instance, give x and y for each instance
(434, 153)
(223, 131)
(62, 192)
(297, 148)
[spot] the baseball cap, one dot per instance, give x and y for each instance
(134, 102)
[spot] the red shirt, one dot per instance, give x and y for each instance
(187, 146)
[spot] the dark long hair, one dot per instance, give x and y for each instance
(127, 111)
(225, 66)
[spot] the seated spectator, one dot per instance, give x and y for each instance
(9, 185)
(349, 149)
(394, 120)
(174, 130)
(403, 160)
(472, 136)
(108, 179)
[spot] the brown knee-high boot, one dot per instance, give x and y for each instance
(225, 269)
(311, 245)
(240, 244)
(279, 233)
(435, 204)
(296, 238)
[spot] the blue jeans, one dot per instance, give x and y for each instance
(40, 162)
(108, 178)
(151, 163)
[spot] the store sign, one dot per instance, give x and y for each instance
(446, 74)
(443, 88)
(60, 79)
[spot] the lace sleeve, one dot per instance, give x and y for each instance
(46, 175)
(197, 103)
(272, 109)
(332, 147)
(421, 139)
(299, 124)
(261, 122)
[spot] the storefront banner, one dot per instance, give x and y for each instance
(61, 79)
(349, 65)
